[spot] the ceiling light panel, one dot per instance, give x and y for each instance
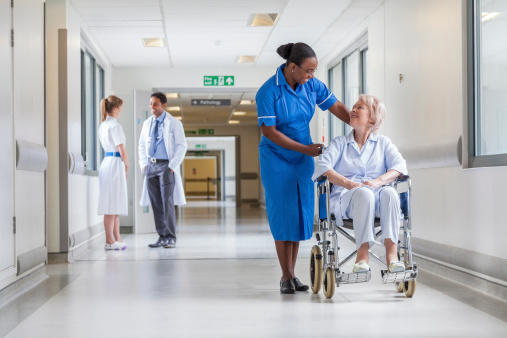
(262, 19)
(153, 42)
(245, 59)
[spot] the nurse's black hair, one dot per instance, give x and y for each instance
(160, 96)
(296, 52)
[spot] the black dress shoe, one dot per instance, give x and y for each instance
(287, 287)
(160, 242)
(299, 286)
(170, 244)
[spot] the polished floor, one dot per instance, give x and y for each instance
(222, 281)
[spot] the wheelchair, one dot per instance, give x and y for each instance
(324, 260)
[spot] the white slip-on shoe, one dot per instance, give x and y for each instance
(114, 246)
(361, 267)
(123, 245)
(396, 266)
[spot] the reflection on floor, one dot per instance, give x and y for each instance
(222, 281)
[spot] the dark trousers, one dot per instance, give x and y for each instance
(161, 190)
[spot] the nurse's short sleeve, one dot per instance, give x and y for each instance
(117, 134)
(265, 100)
(325, 98)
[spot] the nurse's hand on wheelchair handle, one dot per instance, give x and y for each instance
(314, 149)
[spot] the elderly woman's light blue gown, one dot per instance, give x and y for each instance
(286, 174)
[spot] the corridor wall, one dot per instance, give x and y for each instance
(456, 206)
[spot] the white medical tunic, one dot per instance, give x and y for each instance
(375, 158)
(112, 178)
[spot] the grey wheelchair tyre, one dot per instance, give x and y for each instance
(316, 268)
(329, 283)
(409, 288)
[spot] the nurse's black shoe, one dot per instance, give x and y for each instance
(299, 286)
(287, 287)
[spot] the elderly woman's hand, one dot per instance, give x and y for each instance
(351, 185)
(378, 182)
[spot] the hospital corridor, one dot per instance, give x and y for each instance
(239, 168)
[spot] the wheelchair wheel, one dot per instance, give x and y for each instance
(316, 268)
(399, 286)
(329, 283)
(409, 288)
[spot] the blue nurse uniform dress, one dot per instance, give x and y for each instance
(287, 174)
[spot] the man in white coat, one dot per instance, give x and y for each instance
(162, 147)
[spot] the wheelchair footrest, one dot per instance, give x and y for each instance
(398, 277)
(349, 278)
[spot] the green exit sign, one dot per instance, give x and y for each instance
(219, 80)
(206, 131)
(200, 146)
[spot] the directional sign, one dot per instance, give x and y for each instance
(219, 80)
(212, 102)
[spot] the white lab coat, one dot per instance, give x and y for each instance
(176, 147)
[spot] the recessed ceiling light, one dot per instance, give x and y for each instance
(239, 113)
(174, 108)
(172, 95)
(262, 19)
(153, 42)
(246, 102)
(233, 122)
(245, 59)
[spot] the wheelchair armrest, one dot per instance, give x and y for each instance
(402, 178)
(321, 178)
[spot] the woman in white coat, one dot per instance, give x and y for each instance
(113, 200)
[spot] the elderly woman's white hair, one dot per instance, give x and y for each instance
(377, 110)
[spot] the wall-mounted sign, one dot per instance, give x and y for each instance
(200, 146)
(220, 80)
(211, 102)
(206, 131)
(190, 132)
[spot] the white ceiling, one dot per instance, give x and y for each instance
(212, 33)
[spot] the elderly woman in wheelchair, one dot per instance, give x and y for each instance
(361, 166)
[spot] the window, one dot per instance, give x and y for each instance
(347, 80)
(487, 83)
(92, 91)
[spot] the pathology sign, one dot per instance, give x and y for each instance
(211, 102)
(219, 80)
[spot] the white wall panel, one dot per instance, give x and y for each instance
(29, 120)
(423, 41)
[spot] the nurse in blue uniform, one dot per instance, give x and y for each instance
(285, 106)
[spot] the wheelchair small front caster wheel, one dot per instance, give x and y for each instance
(329, 283)
(399, 286)
(316, 268)
(409, 288)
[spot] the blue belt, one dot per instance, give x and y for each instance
(113, 154)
